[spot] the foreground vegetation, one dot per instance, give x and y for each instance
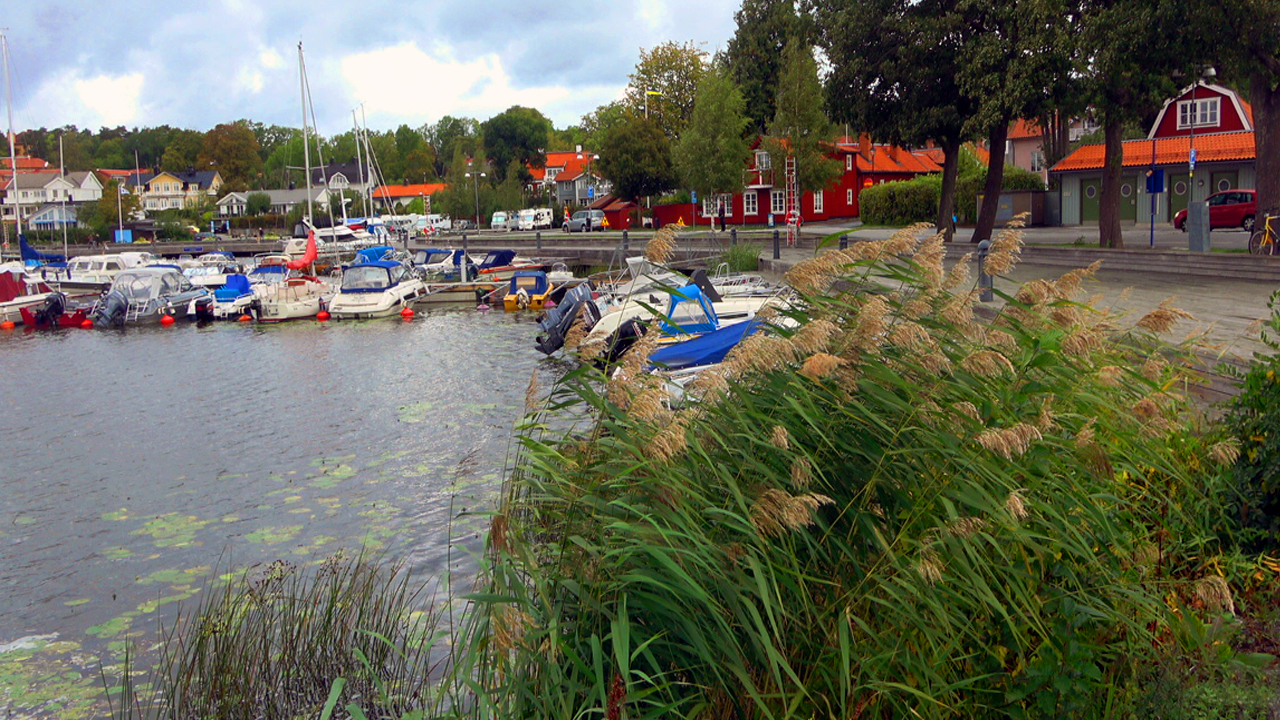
(897, 505)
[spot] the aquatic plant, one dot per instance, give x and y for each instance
(906, 505)
(279, 641)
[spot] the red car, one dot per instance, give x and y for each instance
(1227, 209)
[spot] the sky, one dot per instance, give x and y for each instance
(146, 63)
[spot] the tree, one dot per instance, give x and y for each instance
(446, 136)
(636, 157)
(665, 82)
(109, 211)
(519, 133)
(599, 122)
(1248, 36)
(257, 203)
(800, 126)
(754, 54)
(712, 152)
(182, 151)
(232, 150)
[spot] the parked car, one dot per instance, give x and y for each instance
(500, 221)
(463, 224)
(586, 221)
(1227, 209)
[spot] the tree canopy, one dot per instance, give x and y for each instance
(665, 82)
(754, 54)
(636, 157)
(519, 134)
(712, 152)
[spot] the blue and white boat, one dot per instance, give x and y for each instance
(377, 288)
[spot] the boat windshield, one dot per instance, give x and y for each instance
(435, 256)
(136, 286)
(366, 277)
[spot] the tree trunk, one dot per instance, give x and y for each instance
(995, 178)
(947, 200)
(1266, 137)
(1109, 233)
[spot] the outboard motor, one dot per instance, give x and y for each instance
(54, 307)
(111, 311)
(621, 341)
(204, 309)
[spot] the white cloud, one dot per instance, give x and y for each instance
(99, 101)
(271, 59)
(653, 12)
(114, 99)
(405, 82)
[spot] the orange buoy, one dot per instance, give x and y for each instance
(322, 315)
(166, 320)
(407, 313)
(8, 325)
(245, 318)
(86, 323)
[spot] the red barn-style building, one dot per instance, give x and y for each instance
(1211, 119)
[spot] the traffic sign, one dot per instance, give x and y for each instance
(1193, 158)
(591, 192)
(693, 196)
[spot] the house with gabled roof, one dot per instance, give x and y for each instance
(236, 204)
(35, 192)
(172, 190)
(1206, 121)
(386, 197)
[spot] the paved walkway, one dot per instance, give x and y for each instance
(1226, 308)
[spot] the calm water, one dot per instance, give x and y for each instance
(140, 464)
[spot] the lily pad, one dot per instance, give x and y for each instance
(274, 535)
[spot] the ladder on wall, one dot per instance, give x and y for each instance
(793, 203)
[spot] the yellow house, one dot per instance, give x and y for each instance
(171, 190)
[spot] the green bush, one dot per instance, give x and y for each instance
(744, 257)
(1253, 420)
(969, 186)
(901, 203)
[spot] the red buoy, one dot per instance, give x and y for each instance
(322, 315)
(407, 313)
(245, 318)
(87, 324)
(166, 320)
(8, 325)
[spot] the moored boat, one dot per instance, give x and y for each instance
(380, 288)
(527, 290)
(148, 294)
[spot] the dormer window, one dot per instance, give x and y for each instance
(1200, 113)
(762, 160)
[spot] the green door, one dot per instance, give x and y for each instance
(1090, 190)
(1129, 199)
(1224, 181)
(1179, 192)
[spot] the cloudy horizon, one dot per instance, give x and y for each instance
(148, 63)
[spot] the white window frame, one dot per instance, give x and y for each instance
(750, 203)
(763, 162)
(778, 202)
(818, 203)
(1208, 113)
(848, 163)
(1037, 160)
(848, 197)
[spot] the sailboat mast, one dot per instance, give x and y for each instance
(13, 157)
(360, 168)
(306, 144)
(62, 174)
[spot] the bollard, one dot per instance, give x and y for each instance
(733, 237)
(538, 237)
(777, 247)
(626, 240)
(462, 263)
(985, 281)
(844, 242)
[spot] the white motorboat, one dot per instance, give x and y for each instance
(380, 288)
(148, 294)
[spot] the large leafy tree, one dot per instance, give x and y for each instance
(800, 126)
(893, 70)
(110, 210)
(636, 157)
(1248, 43)
(754, 54)
(518, 134)
(232, 150)
(449, 135)
(664, 85)
(711, 154)
(599, 122)
(182, 151)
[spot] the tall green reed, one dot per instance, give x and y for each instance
(885, 508)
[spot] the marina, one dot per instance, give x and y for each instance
(148, 461)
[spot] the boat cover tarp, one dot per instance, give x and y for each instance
(704, 349)
(12, 286)
(237, 286)
(372, 254)
(498, 258)
(30, 254)
(533, 282)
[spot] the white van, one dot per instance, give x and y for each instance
(439, 222)
(542, 218)
(500, 221)
(526, 219)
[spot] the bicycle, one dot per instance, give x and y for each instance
(1265, 241)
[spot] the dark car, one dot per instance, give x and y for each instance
(579, 222)
(1227, 209)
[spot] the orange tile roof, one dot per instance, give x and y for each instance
(1212, 147)
(400, 191)
(1022, 129)
(891, 159)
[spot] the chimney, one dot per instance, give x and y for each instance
(864, 145)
